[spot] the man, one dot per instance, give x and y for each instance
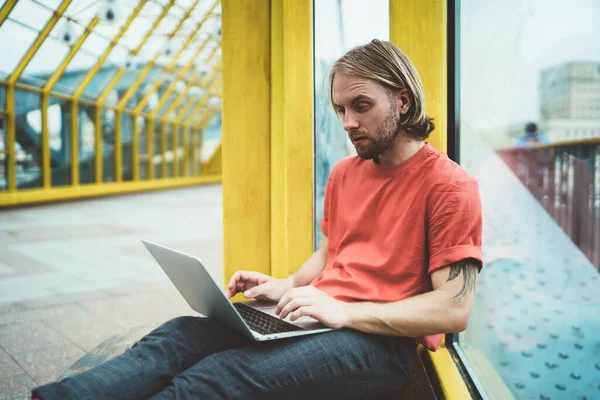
(531, 137)
(398, 262)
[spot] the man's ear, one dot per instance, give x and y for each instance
(403, 100)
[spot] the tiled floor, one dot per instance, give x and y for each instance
(73, 274)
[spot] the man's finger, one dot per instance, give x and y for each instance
(257, 290)
(305, 311)
(283, 302)
(293, 305)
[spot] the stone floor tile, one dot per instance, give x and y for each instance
(89, 335)
(62, 299)
(29, 336)
(46, 365)
(17, 387)
(26, 315)
(8, 366)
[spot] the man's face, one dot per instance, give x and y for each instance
(369, 113)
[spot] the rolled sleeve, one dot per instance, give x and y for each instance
(454, 223)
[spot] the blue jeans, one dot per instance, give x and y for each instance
(194, 357)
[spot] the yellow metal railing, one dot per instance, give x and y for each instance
(185, 115)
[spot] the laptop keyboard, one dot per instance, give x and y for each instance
(262, 322)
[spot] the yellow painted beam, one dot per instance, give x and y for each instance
(11, 133)
(153, 27)
(37, 43)
(31, 196)
(150, 150)
(180, 75)
(278, 231)
(298, 132)
(98, 144)
(74, 117)
(213, 165)
(212, 89)
(163, 149)
(74, 49)
(6, 9)
(11, 98)
(246, 135)
(174, 147)
(135, 149)
(101, 100)
(194, 79)
(426, 20)
(447, 374)
(96, 67)
(133, 88)
(186, 16)
(45, 143)
(118, 149)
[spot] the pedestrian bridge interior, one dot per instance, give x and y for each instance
(204, 125)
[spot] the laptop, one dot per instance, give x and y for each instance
(255, 319)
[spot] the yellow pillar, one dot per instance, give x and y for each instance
(278, 231)
(418, 27)
(298, 133)
(246, 29)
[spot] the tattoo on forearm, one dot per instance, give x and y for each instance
(468, 268)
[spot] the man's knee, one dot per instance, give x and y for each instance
(183, 323)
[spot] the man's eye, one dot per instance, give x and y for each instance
(341, 111)
(362, 107)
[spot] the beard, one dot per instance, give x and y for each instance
(384, 135)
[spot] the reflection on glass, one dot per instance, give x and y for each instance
(158, 150)
(530, 133)
(11, 54)
(169, 153)
(2, 97)
(59, 129)
(28, 151)
(185, 134)
(336, 23)
(3, 158)
(87, 144)
(126, 147)
(107, 119)
(142, 128)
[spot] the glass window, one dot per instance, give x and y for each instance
(108, 144)
(2, 97)
(533, 332)
(335, 23)
(3, 158)
(126, 146)
(87, 144)
(28, 151)
(142, 126)
(13, 50)
(59, 129)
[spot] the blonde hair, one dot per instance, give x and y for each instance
(387, 65)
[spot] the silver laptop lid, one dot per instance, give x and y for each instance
(197, 286)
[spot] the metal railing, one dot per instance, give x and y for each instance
(565, 179)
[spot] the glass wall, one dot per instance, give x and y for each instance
(530, 134)
(335, 32)
(144, 60)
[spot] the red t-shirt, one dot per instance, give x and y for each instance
(390, 227)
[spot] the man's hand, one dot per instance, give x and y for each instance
(258, 286)
(310, 301)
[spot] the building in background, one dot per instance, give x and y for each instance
(570, 101)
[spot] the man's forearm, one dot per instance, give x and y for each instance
(310, 269)
(426, 314)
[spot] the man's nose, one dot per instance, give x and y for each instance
(350, 122)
